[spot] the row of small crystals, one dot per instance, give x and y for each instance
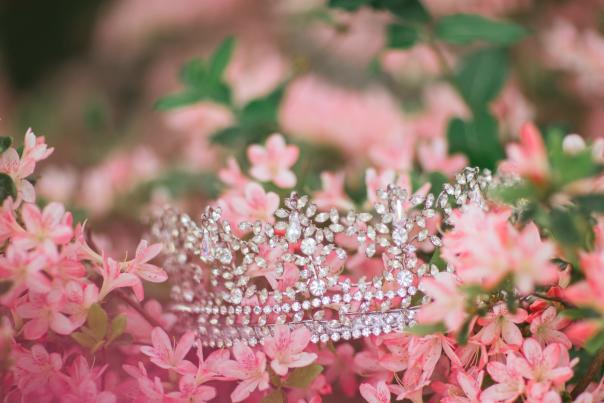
(321, 331)
(214, 242)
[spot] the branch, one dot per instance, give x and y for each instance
(590, 375)
(136, 306)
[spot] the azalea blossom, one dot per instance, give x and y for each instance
(249, 367)
(529, 158)
(509, 382)
(500, 323)
(44, 229)
(448, 301)
(252, 205)
(44, 312)
(165, 354)
(140, 266)
(286, 349)
(375, 394)
(273, 162)
(332, 193)
(114, 278)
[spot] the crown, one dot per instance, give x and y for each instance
(238, 287)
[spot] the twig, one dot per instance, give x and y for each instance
(136, 306)
(590, 375)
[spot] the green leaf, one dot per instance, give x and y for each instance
(478, 139)
(178, 100)
(481, 76)
(426, 329)
(595, 343)
(567, 227)
(406, 10)
(5, 143)
(193, 73)
(7, 187)
(348, 5)
(84, 340)
(462, 336)
(511, 194)
(228, 136)
(591, 203)
(566, 167)
(437, 260)
(118, 326)
(466, 28)
(262, 110)
(303, 377)
(276, 396)
(402, 36)
(97, 321)
(580, 313)
(220, 59)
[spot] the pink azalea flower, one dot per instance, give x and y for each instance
(44, 312)
(35, 148)
(394, 153)
(79, 299)
(149, 390)
(191, 391)
(500, 323)
(273, 162)
(541, 393)
(544, 365)
(466, 389)
(448, 301)
(166, 355)
(232, 176)
(249, 368)
(412, 385)
(375, 180)
(433, 157)
(140, 267)
(531, 261)
(45, 229)
(286, 349)
(114, 278)
(254, 204)
(509, 382)
(375, 394)
(39, 371)
(503, 250)
(424, 354)
(209, 368)
(84, 384)
(19, 168)
(589, 292)
(332, 193)
(340, 365)
(545, 328)
(24, 270)
(529, 158)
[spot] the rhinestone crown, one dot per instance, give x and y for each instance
(238, 287)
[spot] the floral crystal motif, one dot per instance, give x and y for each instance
(219, 288)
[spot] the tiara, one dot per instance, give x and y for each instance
(219, 278)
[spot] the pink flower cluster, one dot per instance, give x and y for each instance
(54, 277)
(75, 327)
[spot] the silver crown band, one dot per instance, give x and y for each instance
(230, 287)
